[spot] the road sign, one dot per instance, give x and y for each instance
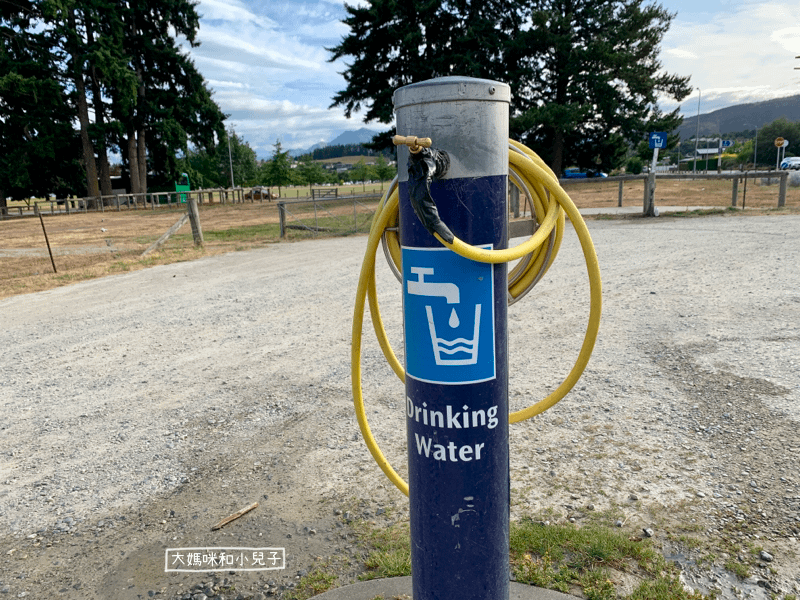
(658, 139)
(785, 143)
(727, 143)
(779, 142)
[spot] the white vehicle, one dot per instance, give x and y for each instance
(793, 162)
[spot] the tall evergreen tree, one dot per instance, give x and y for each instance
(39, 149)
(172, 105)
(122, 76)
(397, 43)
(107, 70)
(592, 77)
(584, 74)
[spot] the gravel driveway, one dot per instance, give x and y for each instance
(139, 409)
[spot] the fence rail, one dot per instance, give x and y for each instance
(780, 177)
(320, 197)
(121, 202)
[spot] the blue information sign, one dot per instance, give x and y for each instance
(448, 302)
(727, 143)
(658, 139)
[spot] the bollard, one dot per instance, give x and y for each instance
(455, 313)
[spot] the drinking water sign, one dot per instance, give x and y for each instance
(448, 303)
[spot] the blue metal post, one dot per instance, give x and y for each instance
(455, 324)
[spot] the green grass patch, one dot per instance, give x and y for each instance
(561, 556)
(587, 560)
(582, 548)
(248, 233)
(388, 550)
(316, 582)
(741, 570)
(556, 557)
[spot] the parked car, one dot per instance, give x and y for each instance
(578, 174)
(260, 193)
(793, 163)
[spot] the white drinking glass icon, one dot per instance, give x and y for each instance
(441, 345)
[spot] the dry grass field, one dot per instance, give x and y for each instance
(90, 245)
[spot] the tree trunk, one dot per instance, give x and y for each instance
(142, 149)
(105, 172)
(142, 156)
(133, 161)
(557, 162)
(99, 117)
(90, 165)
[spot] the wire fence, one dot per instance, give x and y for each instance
(326, 216)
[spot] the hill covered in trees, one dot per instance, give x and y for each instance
(340, 150)
(742, 117)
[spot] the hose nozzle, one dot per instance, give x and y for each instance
(423, 167)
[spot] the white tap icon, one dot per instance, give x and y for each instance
(448, 291)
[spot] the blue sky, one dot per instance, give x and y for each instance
(267, 65)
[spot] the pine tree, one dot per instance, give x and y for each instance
(172, 105)
(39, 149)
(584, 74)
(122, 60)
(395, 43)
(592, 80)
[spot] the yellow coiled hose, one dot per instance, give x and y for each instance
(549, 199)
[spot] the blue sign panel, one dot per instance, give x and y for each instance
(727, 143)
(448, 303)
(658, 139)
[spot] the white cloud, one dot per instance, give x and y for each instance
(231, 11)
(228, 46)
(261, 121)
(216, 84)
(682, 53)
(788, 38)
(268, 68)
(742, 55)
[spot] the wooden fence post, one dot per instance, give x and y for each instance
(194, 218)
(515, 200)
(619, 199)
(49, 250)
(282, 218)
(735, 191)
(782, 192)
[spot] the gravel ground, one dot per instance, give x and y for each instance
(140, 409)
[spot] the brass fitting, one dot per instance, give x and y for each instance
(414, 143)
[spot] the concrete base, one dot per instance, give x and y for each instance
(389, 589)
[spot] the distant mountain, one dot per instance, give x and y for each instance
(742, 117)
(358, 136)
